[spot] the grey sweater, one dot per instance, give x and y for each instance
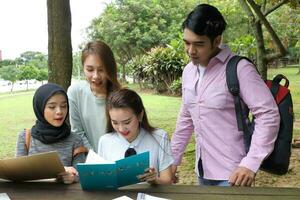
(64, 148)
(87, 114)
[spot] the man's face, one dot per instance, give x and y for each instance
(199, 48)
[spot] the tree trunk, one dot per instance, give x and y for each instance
(261, 51)
(12, 87)
(59, 42)
(123, 74)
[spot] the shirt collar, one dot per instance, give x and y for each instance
(135, 142)
(223, 54)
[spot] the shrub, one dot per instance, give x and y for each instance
(160, 67)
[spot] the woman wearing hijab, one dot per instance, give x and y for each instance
(51, 132)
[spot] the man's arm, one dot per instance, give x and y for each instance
(181, 136)
(262, 105)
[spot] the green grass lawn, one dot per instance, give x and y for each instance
(17, 114)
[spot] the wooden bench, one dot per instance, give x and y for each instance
(47, 190)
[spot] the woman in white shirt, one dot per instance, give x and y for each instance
(131, 133)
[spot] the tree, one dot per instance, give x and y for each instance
(288, 29)
(59, 42)
(7, 62)
(258, 13)
(9, 73)
(77, 66)
(27, 73)
(298, 46)
(42, 75)
(133, 27)
(34, 58)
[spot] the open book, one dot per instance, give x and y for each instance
(99, 174)
(33, 167)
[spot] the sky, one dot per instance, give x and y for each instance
(23, 24)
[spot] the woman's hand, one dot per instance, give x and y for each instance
(150, 176)
(69, 176)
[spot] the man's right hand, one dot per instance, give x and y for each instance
(175, 177)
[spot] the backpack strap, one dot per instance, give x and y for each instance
(276, 82)
(79, 150)
(27, 139)
(234, 88)
(279, 77)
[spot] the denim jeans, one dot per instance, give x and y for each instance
(207, 182)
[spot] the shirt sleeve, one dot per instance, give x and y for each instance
(21, 149)
(263, 107)
(182, 134)
(75, 120)
(165, 153)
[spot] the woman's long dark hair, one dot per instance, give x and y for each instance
(103, 51)
(126, 98)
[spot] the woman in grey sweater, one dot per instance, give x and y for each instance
(87, 98)
(51, 132)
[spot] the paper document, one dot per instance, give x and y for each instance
(33, 167)
(123, 198)
(98, 173)
(4, 196)
(143, 196)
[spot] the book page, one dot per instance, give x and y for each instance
(94, 158)
(4, 196)
(123, 198)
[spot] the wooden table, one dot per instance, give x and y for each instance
(50, 190)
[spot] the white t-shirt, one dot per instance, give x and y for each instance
(112, 146)
(201, 71)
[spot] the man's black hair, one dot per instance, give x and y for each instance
(205, 20)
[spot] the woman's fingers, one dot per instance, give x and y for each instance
(149, 175)
(67, 177)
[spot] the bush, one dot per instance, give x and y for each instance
(159, 68)
(176, 87)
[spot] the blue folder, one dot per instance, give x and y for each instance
(112, 176)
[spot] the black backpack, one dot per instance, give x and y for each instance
(278, 161)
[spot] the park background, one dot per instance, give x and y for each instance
(146, 38)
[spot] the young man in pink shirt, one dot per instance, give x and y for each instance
(208, 108)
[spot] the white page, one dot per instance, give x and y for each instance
(4, 196)
(93, 158)
(143, 196)
(123, 198)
